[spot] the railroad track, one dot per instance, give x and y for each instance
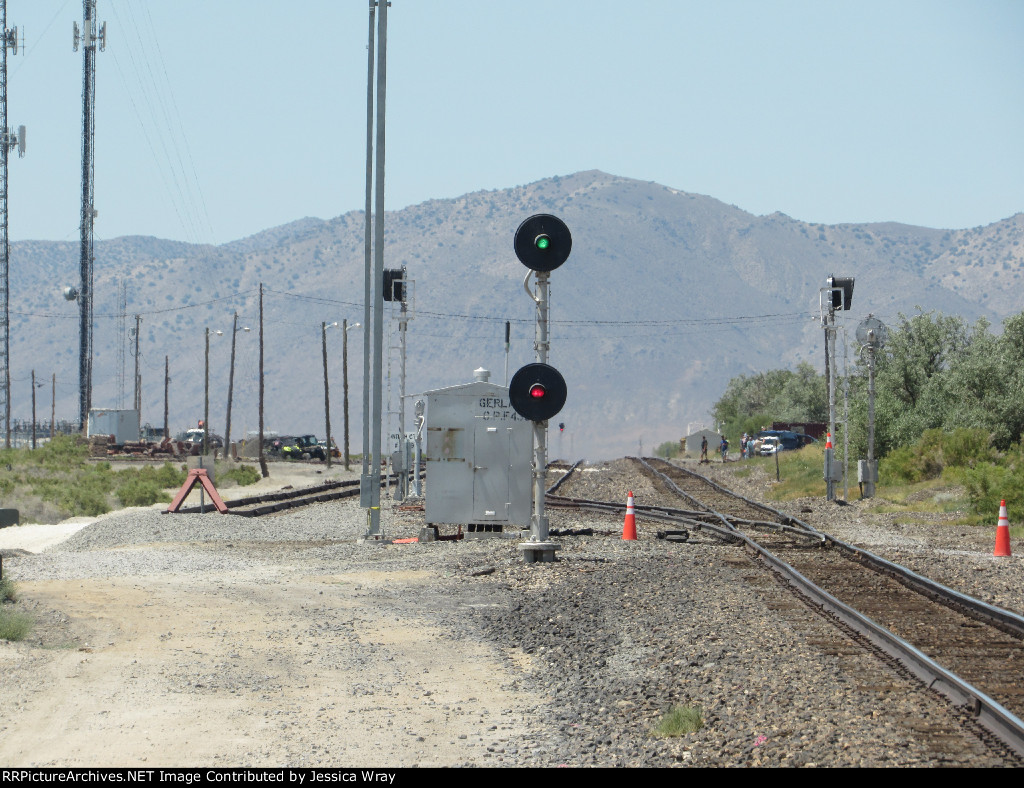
(271, 503)
(969, 651)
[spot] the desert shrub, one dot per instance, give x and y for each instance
(62, 453)
(935, 452)
(243, 475)
(988, 483)
(14, 626)
(138, 491)
(169, 476)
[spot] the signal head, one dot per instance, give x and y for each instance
(537, 392)
(543, 242)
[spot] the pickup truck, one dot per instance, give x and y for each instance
(305, 447)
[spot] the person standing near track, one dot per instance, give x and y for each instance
(704, 448)
(724, 448)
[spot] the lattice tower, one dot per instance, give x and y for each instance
(8, 141)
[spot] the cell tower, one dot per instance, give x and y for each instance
(8, 142)
(90, 38)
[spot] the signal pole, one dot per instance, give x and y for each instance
(537, 391)
(90, 38)
(402, 488)
(8, 143)
(836, 296)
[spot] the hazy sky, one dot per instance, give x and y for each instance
(216, 119)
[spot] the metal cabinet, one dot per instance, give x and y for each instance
(478, 457)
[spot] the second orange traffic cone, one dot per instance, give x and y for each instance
(1002, 532)
(629, 527)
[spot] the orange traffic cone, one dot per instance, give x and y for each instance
(629, 527)
(1002, 532)
(828, 440)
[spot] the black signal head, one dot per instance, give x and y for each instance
(537, 392)
(543, 242)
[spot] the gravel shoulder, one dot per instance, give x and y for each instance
(169, 640)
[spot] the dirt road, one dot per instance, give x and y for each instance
(272, 653)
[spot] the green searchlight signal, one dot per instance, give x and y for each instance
(543, 242)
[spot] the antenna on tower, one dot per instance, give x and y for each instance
(8, 141)
(88, 38)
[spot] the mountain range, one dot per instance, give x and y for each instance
(665, 297)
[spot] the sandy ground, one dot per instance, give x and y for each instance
(257, 665)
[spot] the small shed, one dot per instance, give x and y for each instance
(478, 457)
(122, 424)
(692, 442)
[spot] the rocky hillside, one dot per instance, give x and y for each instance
(665, 297)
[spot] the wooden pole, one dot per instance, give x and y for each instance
(344, 364)
(263, 460)
(327, 393)
(33, 408)
(167, 381)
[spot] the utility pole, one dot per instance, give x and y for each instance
(370, 481)
(90, 38)
(206, 398)
(53, 403)
(231, 387)
(122, 339)
(137, 400)
(263, 460)
(327, 393)
(872, 335)
(364, 490)
(7, 144)
(167, 384)
(344, 378)
(33, 409)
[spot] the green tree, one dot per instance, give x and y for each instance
(751, 401)
(912, 391)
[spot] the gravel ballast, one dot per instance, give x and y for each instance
(285, 640)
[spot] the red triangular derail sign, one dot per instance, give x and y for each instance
(197, 475)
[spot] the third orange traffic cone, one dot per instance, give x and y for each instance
(828, 440)
(629, 527)
(1002, 532)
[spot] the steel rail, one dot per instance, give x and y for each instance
(786, 519)
(563, 478)
(1007, 727)
(1004, 619)
(660, 513)
(269, 503)
(991, 715)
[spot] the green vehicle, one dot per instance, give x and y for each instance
(305, 447)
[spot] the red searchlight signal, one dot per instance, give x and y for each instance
(537, 392)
